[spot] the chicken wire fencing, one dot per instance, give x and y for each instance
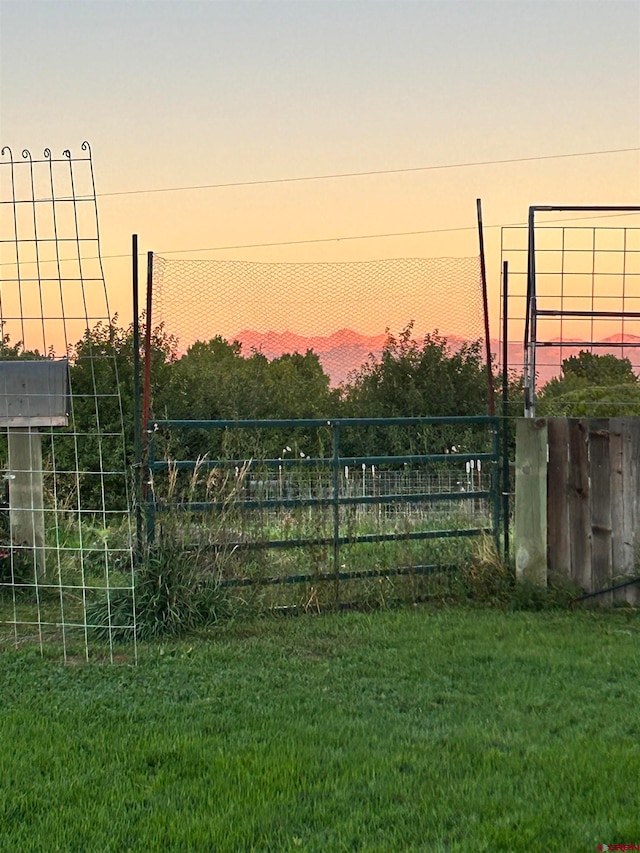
(66, 556)
(341, 311)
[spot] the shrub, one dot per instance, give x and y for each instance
(176, 591)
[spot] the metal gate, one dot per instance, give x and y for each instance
(323, 503)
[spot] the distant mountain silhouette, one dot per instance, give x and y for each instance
(339, 353)
(626, 339)
(346, 350)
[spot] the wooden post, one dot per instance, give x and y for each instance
(558, 519)
(531, 500)
(26, 504)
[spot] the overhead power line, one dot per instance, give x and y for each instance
(327, 177)
(343, 238)
(378, 236)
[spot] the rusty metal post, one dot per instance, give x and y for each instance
(485, 307)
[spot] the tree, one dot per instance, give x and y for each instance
(12, 352)
(599, 370)
(592, 386)
(214, 381)
(100, 436)
(300, 387)
(415, 378)
(419, 378)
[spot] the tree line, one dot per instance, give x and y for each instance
(215, 380)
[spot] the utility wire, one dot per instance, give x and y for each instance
(441, 167)
(344, 238)
(375, 236)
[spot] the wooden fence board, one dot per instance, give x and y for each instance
(578, 499)
(588, 508)
(618, 451)
(558, 519)
(631, 481)
(600, 503)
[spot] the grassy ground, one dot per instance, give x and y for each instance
(443, 730)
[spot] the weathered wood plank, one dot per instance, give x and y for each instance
(619, 554)
(600, 504)
(26, 501)
(558, 519)
(578, 498)
(531, 500)
(631, 486)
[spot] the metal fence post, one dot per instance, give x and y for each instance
(149, 492)
(336, 506)
(495, 482)
(505, 410)
(137, 422)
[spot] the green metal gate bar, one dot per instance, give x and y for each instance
(332, 464)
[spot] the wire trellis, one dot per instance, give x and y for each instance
(66, 556)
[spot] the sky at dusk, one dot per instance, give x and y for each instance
(175, 94)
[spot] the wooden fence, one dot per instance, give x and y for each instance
(578, 502)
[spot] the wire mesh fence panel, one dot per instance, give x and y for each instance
(582, 294)
(66, 557)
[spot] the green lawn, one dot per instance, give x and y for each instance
(449, 730)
